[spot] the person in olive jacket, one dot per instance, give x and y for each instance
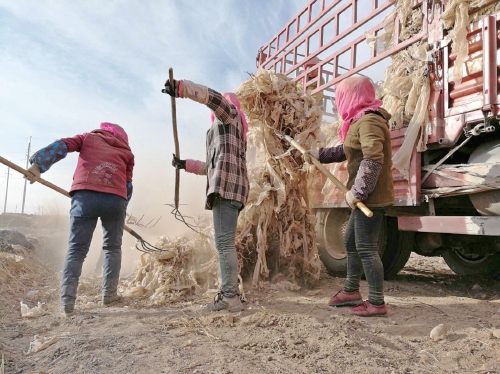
(366, 145)
(102, 187)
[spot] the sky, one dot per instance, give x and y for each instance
(67, 66)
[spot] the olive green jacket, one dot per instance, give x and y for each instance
(370, 138)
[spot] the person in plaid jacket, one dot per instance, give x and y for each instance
(227, 179)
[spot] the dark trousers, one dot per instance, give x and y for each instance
(225, 213)
(86, 208)
(362, 242)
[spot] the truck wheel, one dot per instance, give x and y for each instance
(473, 264)
(330, 228)
(396, 246)
(398, 249)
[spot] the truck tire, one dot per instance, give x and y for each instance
(330, 228)
(398, 249)
(467, 264)
(395, 245)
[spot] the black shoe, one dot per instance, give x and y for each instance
(68, 310)
(108, 300)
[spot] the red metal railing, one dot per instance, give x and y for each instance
(333, 32)
(282, 54)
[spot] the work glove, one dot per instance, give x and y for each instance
(177, 163)
(172, 91)
(310, 153)
(35, 171)
(351, 200)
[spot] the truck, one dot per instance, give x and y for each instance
(447, 202)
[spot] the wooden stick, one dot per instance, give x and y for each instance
(26, 173)
(330, 176)
(176, 139)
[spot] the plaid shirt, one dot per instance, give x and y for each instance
(226, 153)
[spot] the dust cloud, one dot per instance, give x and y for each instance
(152, 191)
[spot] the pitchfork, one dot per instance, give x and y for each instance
(144, 245)
(175, 211)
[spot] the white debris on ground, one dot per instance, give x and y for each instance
(276, 222)
(39, 343)
(22, 273)
(34, 312)
(184, 266)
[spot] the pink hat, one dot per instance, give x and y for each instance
(115, 129)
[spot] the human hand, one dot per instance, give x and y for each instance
(177, 163)
(35, 171)
(171, 89)
(351, 200)
(310, 153)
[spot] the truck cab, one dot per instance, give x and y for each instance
(446, 152)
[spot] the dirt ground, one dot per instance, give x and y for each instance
(280, 331)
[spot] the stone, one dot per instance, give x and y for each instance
(476, 288)
(496, 333)
(439, 332)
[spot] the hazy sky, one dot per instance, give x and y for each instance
(67, 66)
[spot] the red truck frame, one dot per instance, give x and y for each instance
(462, 227)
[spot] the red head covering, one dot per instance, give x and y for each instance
(233, 99)
(311, 62)
(353, 97)
(116, 130)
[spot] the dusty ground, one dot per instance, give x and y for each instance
(280, 331)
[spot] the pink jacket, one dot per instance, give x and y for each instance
(105, 163)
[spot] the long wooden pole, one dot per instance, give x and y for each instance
(330, 176)
(176, 138)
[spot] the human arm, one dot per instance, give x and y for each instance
(130, 169)
(129, 174)
(191, 166)
(49, 155)
(130, 190)
(222, 108)
(371, 136)
(43, 159)
(196, 167)
(332, 154)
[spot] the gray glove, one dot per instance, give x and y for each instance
(35, 171)
(310, 153)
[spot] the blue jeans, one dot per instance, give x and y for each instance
(225, 213)
(362, 241)
(86, 208)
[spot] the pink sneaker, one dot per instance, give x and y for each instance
(367, 309)
(343, 298)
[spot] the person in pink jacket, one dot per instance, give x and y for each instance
(102, 187)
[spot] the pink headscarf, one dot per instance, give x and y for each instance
(116, 130)
(353, 97)
(233, 99)
(311, 62)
